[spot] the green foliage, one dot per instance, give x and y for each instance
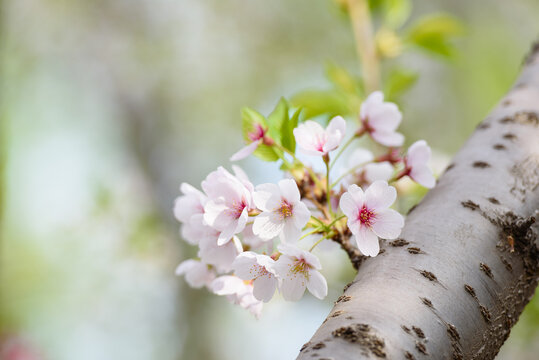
(321, 102)
(250, 118)
(399, 81)
(279, 125)
(435, 34)
(396, 12)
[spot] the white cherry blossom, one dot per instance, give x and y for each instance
(416, 161)
(313, 139)
(283, 213)
(238, 292)
(230, 199)
(380, 119)
(197, 274)
(220, 256)
(189, 209)
(298, 269)
(369, 216)
(259, 268)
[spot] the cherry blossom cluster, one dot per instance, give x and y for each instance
(251, 239)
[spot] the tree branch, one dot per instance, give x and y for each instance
(468, 261)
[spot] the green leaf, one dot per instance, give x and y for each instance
(399, 81)
(276, 119)
(319, 102)
(397, 12)
(343, 80)
(249, 118)
(287, 131)
(268, 153)
(435, 33)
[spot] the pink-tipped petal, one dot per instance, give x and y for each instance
(246, 151)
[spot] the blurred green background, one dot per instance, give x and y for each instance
(107, 106)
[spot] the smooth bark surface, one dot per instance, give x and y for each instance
(467, 261)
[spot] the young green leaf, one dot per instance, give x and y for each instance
(435, 33)
(276, 119)
(397, 12)
(398, 82)
(319, 102)
(287, 131)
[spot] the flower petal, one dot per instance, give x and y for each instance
(348, 205)
(418, 154)
(388, 224)
(423, 176)
(317, 284)
(245, 151)
(379, 195)
(243, 265)
(267, 225)
(289, 191)
(267, 197)
(264, 287)
(293, 287)
(291, 233)
(301, 215)
(367, 242)
(388, 138)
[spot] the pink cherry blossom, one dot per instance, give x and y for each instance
(197, 274)
(220, 256)
(189, 209)
(380, 119)
(257, 137)
(238, 292)
(259, 268)
(369, 216)
(416, 161)
(283, 213)
(313, 139)
(298, 269)
(230, 199)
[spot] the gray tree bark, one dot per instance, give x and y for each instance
(467, 261)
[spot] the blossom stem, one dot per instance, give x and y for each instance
(341, 151)
(318, 220)
(317, 230)
(335, 220)
(328, 187)
(327, 236)
(400, 175)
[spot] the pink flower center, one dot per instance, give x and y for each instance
(257, 134)
(320, 141)
(286, 209)
(257, 271)
(366, 216)
(236, 209)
